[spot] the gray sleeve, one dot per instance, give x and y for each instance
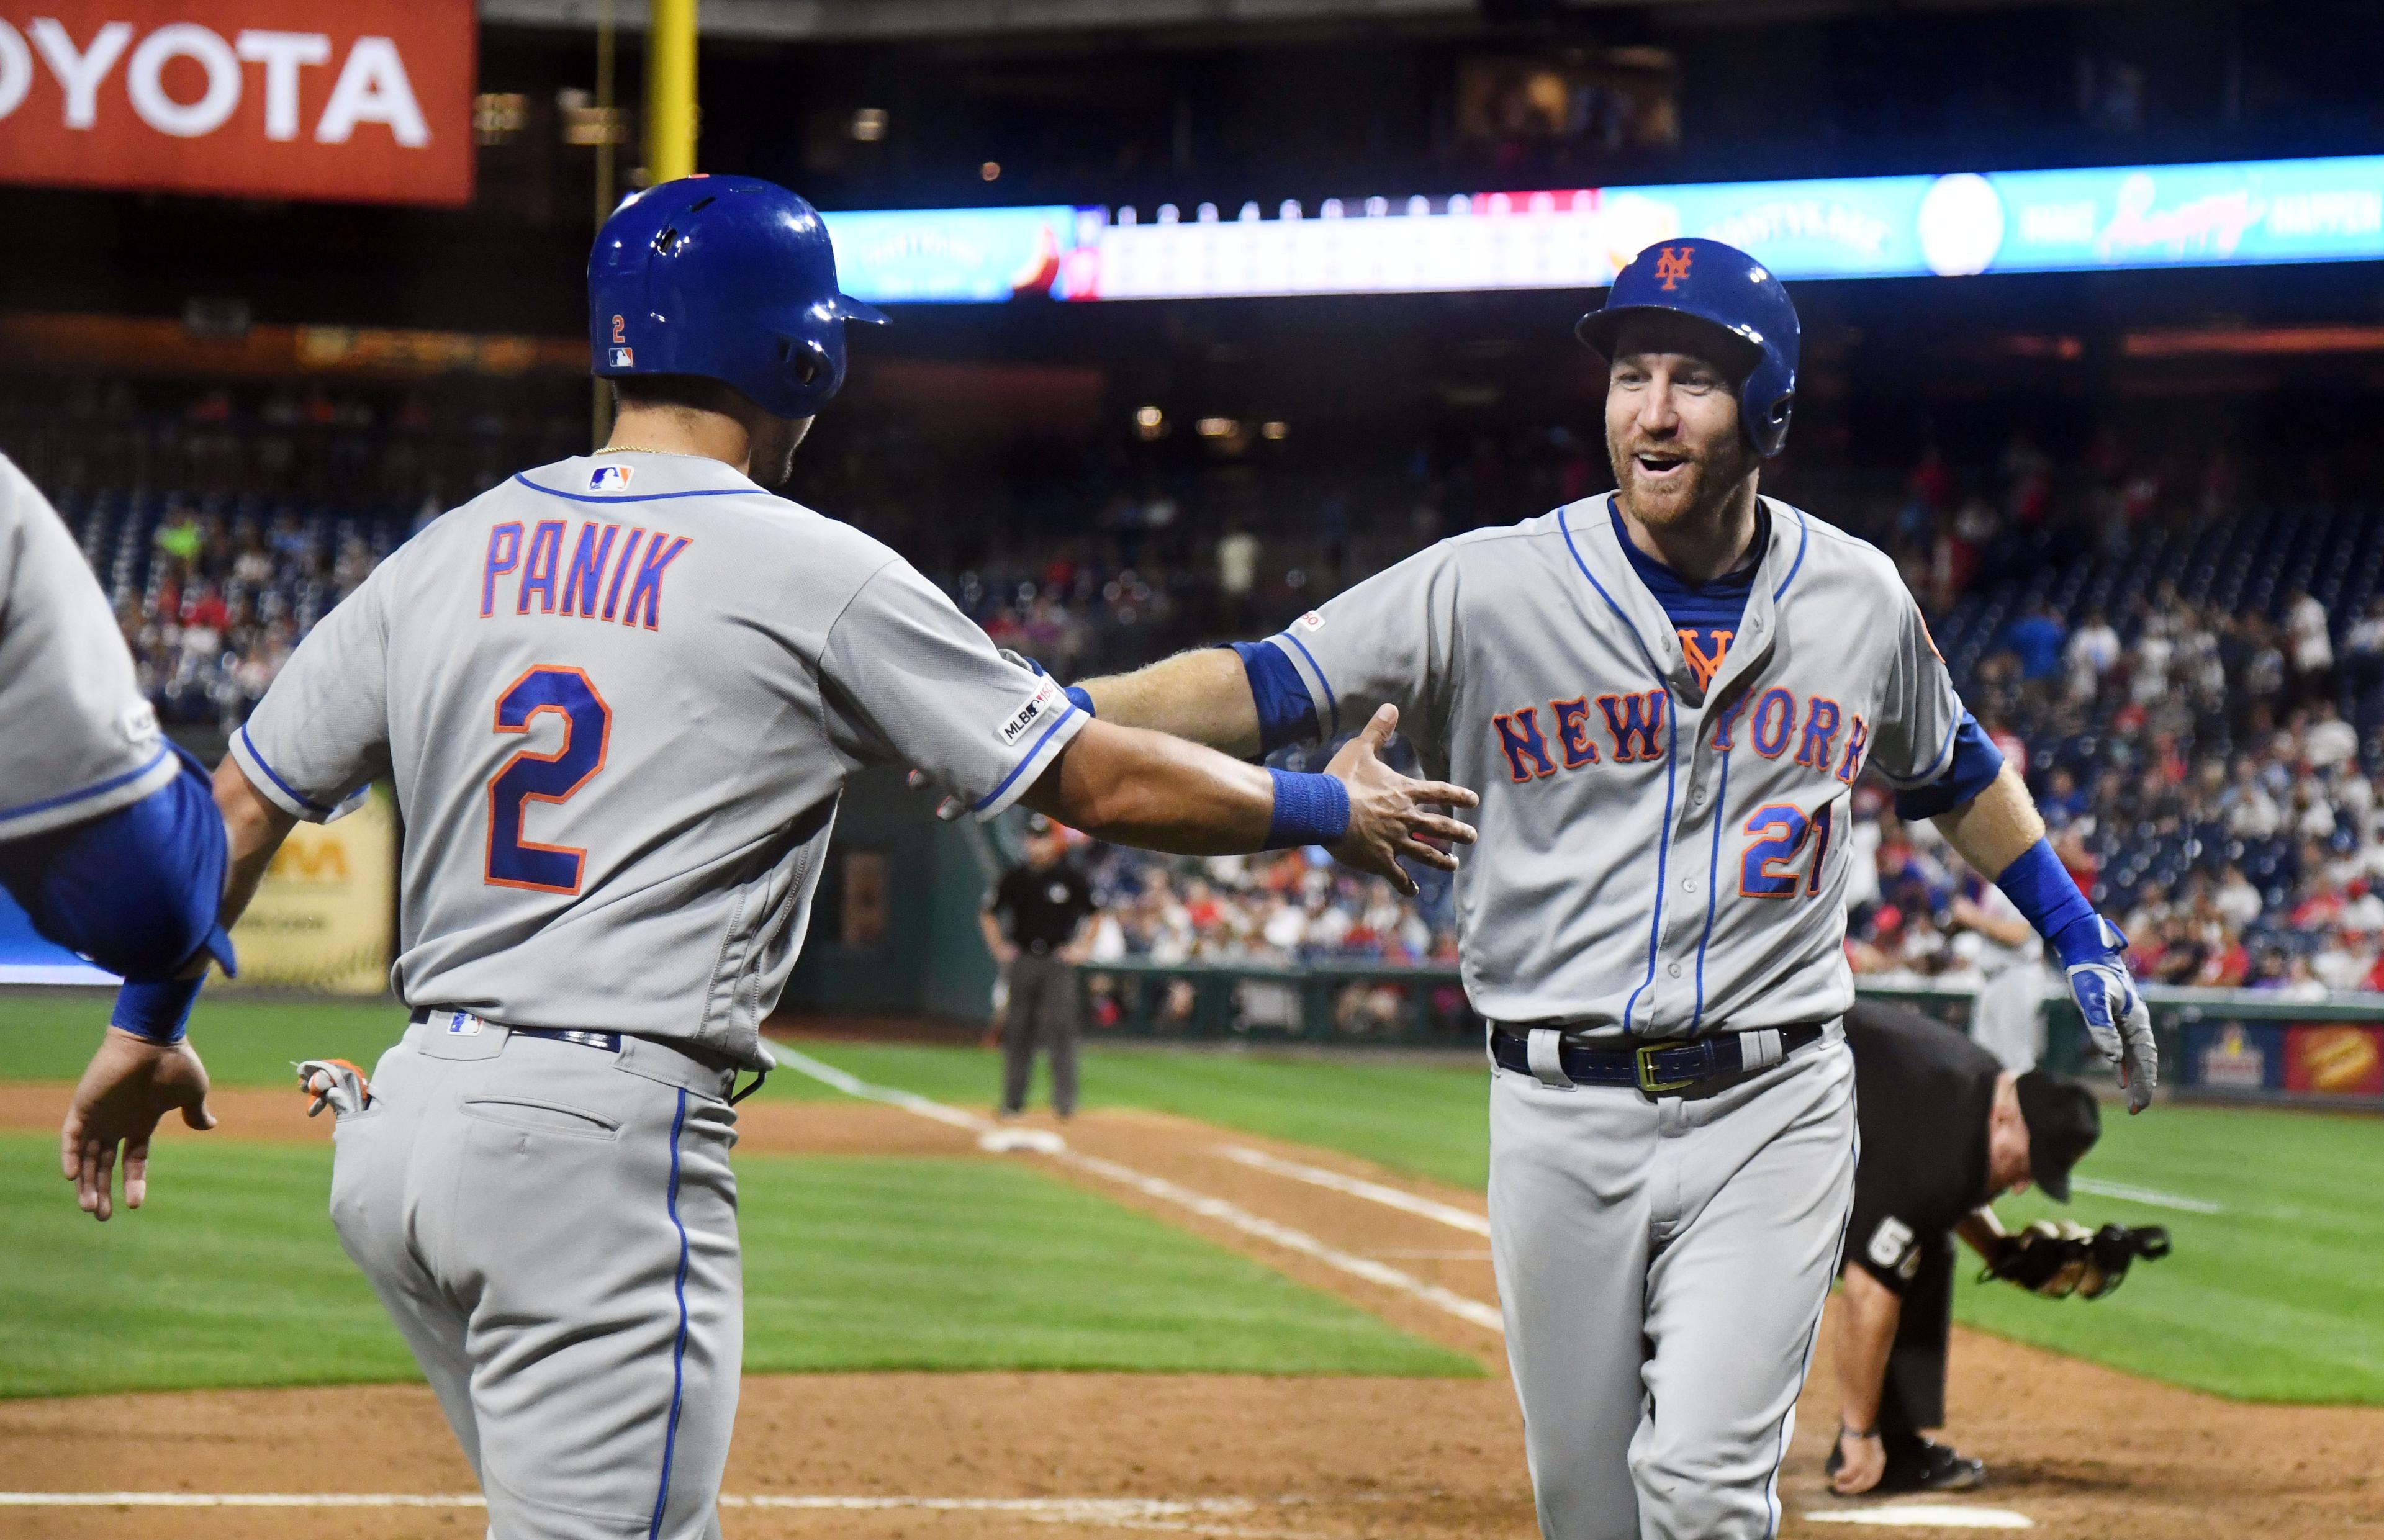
(908, 679)
(1389, 640)
(13, 491)
(321, 733)
(1913, 740)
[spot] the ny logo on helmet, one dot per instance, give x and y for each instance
(1671, 266)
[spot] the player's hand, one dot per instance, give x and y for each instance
(128, 1086)
(2117, 1018)
(1390, 815)
(947, 810)
(1863, 1462)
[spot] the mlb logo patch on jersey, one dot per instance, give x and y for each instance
(462, 1023)
(609, 478)
(621, 358)
(139, 723)
(1037, 709)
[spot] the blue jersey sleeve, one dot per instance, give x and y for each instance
(1975, 764)
(1286, 711)
(135, 891)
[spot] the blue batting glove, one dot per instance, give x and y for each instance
(2117, 1017)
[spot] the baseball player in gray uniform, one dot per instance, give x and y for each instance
(109, 840)
(1664, 698)
(619, 697)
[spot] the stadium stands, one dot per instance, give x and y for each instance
(2193, 683)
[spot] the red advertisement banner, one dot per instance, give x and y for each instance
(2335, 1060)
(367, 101)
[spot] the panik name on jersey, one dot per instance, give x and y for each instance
(608, 574)
(1772, 721)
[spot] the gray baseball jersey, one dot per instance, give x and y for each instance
(619, 698)
(1661, 844)
(79, 740)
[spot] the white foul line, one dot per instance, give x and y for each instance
(2153, 1196)
(1357, 1186)
(1458, 1305)
(1921, 1515)
(1118, 1512)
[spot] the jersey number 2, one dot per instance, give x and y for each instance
(530, 777)
(1777, 833)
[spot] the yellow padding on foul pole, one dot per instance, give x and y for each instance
(670, 91)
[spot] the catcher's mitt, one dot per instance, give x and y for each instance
(2058, 1257)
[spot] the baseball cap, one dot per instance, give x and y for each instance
(2063, 1123)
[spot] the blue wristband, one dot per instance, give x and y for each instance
(159, 1010)
(1082, 700)
(2047, 895)
(1309, 810)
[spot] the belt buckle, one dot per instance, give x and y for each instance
(1645, 1057)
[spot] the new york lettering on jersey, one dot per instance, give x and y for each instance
(1634, 733)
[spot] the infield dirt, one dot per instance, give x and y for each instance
(2080, 1450)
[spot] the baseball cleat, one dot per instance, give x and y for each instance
(1931, 1467)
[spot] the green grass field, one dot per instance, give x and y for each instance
(231, 1276)
(2276, 1297)
(1423, 1118)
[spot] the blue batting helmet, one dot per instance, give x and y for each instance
(729, 277)
(1723, 286)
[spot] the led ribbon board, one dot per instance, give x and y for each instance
(2103, 218)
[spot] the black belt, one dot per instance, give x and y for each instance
(1656, 1068)
(606, 1042)
(609, 1041)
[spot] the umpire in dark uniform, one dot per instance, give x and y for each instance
(1045, 899)
(1946, 1131)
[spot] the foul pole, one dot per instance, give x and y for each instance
(670, 91)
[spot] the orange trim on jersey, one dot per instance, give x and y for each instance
(1822, 715)
(621, 573)
(1785, 825)
(1522, 740)
(1858, 742)
(1701, 667)
(1780, 696)
(603, 748)
(1573, 731)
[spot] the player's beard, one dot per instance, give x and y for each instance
(1704, 485)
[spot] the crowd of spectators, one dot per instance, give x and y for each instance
(2207, 773)
(226, 600)
(2208, 767)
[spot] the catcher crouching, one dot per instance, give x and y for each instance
(1946, 1131)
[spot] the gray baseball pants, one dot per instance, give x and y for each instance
(554, 1229)
(1045, 1005)
(1662, 1264)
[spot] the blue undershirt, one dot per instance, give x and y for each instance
(1706, 615)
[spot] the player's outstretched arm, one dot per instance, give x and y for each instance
(133, 1081)
(1203, 695)
(2000, 833)
(1134, 787)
